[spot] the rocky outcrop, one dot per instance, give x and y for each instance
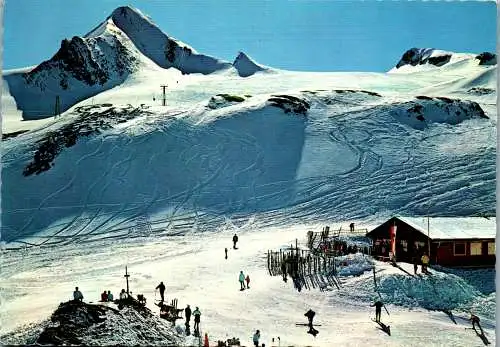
(92, 120)
(487, 58)
(289, 103)
(425, 110)
(420, 56)
(78, 323)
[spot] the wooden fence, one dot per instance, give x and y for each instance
(306, 269)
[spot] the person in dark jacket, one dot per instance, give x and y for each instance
(161, 287)
(235, 239)
(187, 312)
(310, 316)
(197, 315)
(475, 321)
(378, 309)
(225, 250)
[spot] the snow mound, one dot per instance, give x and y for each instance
(78, 323)
(425, 110)
(353, 264)
(246, 66)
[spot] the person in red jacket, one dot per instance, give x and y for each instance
(247, 279)
(104, 296)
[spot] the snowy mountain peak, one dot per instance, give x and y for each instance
(246, 66)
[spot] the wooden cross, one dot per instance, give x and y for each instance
(127, 275)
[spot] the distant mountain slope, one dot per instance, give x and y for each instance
(246, 66)
(416, 58)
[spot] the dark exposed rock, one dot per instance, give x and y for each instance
(439, 60)
(487, 58)
(423, 97)
(480, 91)
(224, 100)
(419, 56)
(289, 103)
(89, 123)
(439, 109)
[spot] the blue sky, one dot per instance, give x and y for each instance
(305, 35)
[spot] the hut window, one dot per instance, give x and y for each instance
(491, 248)
(476, 248)
(459, 248)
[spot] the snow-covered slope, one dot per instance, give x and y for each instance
(246, 66)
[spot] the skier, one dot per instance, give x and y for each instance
(242, 279)
(123, 295)
(235, 239)
(247, 279)
(225, 250)
(351, 227)
(425, 262)
(256, 338)
(197, 315)
(77, 295)
(378, 310)
(310, 316)
(104, 296)
(161, 286)
(110, 296)
(475, 320)
(187, 312)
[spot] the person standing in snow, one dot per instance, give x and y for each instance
(225, 250)
(378, 309)
(247, 279)
(235, 239)
(351, 227)
(242, 280)
(123, 295)
(197, 315)
(77, 295)
(161, 287)
(187, 312)
(310, 316)
(110, 296)
(425, 262)
(475, 320)
(415, 263)
(256, 338)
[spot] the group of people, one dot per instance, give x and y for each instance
(106, 296)
(423, 260)
(244, 279)
(197, 317)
